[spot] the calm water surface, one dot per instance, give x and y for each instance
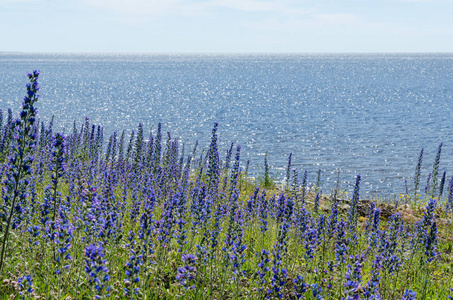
(367, 114)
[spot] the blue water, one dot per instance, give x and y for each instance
(367, 114)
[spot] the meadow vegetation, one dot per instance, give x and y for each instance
(137, 218)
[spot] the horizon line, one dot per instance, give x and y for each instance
(221, 53)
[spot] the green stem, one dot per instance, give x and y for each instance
(13, 202)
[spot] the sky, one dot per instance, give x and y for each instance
(226, 26)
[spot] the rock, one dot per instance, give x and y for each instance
(387, 210)
(363, 207)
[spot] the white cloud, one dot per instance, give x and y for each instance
(20, 1)
(153, 8)
(289, 8)
(266, 15)
(159, 8)
(312, 22)
(410, 1)
(338, 18)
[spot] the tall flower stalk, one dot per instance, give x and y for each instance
(57, 169)
(417, 176)
(436, 170)
(19, 162)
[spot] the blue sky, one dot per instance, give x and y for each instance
(226, 26)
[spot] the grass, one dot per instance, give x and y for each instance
(146, 222)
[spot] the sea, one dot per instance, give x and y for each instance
(343, 114)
